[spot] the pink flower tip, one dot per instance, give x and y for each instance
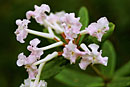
(21, 32)
(39, 13)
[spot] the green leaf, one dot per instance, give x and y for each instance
(120, 82)
(78, 79)
(53, 67)
(92, 39)
(54, 83)
(109, 51)
(84, 19)
(109, 32)
(124, 70)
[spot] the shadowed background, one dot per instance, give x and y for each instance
(117, 11)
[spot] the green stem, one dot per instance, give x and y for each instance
(99, 73)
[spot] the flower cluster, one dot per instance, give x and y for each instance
(66, 25)
(29, 83)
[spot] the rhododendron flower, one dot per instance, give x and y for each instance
(71, 25)
(29, 83)
(71, 52)
(21, 32)
(33, 48)
(93, 57)
(39, 13)
(98, 29)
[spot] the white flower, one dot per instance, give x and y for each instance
(98, 29)
(33, 57)
(71, 25)
(34, 49)
(92, 57)
(27, 61)
(29, 83)
(32, 71)
(21, 32)
(39, 13)
(55, 18)
(53, 21)
(21, 59)
(42, 83)
(71, 52)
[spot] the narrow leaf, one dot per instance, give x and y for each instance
(84, 19)
(120, 82)
(109, 51)
(78, 79)
(124, 70)
(53, 67)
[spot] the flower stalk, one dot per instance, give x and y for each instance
(38, 75)
(47, 58)
(60, 43)
(45, 35)
(99, 73)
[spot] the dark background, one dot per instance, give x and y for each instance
(117, 11)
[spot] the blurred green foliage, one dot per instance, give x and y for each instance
(116, 11)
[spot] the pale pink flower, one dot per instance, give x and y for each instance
(53, 21)
(29, 83)
(94, 57)
(85, 61)
(42, 83)
(71, 52)
(28, 61)
(71, 25)
(32, 71)
(21, 59)
(98, 29)
(34, 49)
(21, 32)
(55, 18)
(39, 13)
(33, 57)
